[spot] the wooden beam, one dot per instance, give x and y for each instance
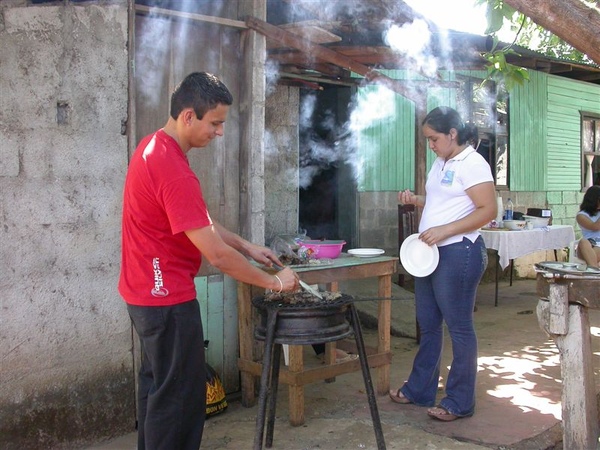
(590, 77)
(291, 40)
(574, 21)
(190, 16)
(316, 79)
(325, 54)
(299, 83)
(308, 30)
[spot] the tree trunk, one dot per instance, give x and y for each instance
(571, 20)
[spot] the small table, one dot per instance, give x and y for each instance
(295, 375)
(510, 245)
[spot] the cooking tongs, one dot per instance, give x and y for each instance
(305, 286)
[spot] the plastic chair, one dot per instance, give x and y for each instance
(573, 253)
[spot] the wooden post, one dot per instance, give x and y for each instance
(384, 322)
(559, 309)
(579, 408)
(420, 151)
(568, 325)
(246, 337)
(296, 392)
(252, 129)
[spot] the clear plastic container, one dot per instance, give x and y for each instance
(510, 207)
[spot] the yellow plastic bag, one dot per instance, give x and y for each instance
(216, 402)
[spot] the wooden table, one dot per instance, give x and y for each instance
(296, 375)
(510, 245)
(563, 313)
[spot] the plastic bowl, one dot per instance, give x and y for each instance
(537, 222)
(515, 224)
(324, 249)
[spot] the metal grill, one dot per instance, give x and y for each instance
(302, 301)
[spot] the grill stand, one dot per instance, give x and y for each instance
(269, 380)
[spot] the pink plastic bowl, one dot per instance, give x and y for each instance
(324, 249)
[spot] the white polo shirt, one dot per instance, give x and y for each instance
(446, 199)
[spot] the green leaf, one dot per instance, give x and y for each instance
(495, 20)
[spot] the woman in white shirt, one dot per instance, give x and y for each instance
(588, 219)
(460, 198)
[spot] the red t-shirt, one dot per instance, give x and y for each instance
(162, 199)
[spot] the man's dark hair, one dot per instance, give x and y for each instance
(201, 91)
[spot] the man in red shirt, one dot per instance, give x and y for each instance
(167, 230)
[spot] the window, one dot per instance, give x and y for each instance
(486, 105)
(590, 149)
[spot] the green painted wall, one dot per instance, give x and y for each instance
(527, 135)
(387, 145)
(545, 146)
(544, 133)
(566, 99)
(217, 296)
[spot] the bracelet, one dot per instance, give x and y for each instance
(280, 284)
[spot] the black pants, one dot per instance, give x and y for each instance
(172, 378)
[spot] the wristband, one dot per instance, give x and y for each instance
(280, 284)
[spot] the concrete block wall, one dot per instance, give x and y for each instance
(65, 337)
(564, 206)
(378, 221)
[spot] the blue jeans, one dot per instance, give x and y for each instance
(172, 377)
(448, 294)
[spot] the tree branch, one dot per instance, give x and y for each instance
(571, 20)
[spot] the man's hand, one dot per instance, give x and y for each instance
(289, 280)
(262, 255)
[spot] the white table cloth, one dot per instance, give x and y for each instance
(513, 244)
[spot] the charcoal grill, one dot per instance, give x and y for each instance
(304, 323)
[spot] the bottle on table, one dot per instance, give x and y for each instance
(509, 210)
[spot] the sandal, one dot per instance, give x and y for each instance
(398, 397)
(441, 413)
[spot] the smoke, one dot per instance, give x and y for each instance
(349, 143)
(152, 50)
(271, 76)
(373, 104)
(317, 151)
(307, 109)
(412, 41)
(324, 142)
(274, 142)
(164, 46)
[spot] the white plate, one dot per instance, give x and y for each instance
(554, 265)
(366, 252)
(418, 258)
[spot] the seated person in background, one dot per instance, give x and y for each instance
(588, 219)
